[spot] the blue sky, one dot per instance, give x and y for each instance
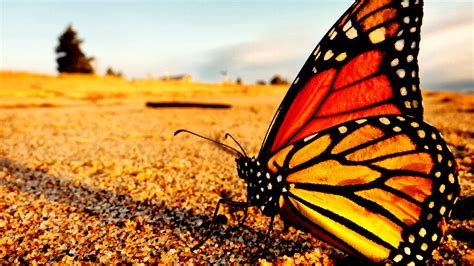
(250, 39)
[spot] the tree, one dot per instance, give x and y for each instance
(71, 59)
(111, 72)
(278, 80)
(238, 81)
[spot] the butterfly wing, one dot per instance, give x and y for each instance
(377, 187)
(366, 65)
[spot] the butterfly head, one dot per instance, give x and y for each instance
(247, 168)
(263, 187)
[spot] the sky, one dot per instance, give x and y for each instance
(253, 40)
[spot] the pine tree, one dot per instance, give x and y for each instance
(71, 59)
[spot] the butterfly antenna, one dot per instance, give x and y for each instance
(240, 146)
(214, 141)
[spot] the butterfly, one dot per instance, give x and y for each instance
(348, 156)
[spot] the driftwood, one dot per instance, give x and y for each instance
(187, 105)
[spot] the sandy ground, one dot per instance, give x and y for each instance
(87, 173)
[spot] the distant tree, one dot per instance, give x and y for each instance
(278, 80)
(238, 81)
(71, 59)
(111, 72)
(261, 82)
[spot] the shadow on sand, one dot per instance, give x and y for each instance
(121, 207)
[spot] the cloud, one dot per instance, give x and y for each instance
(255, 60)
(446, 56)
(262, 54)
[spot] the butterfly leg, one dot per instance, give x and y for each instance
(237, 204)
(286, 227)
(270, 227)
(263, 251)
(244, 218)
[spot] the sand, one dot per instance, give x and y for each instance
(88, 174)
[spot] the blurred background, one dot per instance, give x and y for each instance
(213, 40)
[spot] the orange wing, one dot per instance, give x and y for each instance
(366, 65)
(376, 187)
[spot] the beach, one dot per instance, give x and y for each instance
(88, 173)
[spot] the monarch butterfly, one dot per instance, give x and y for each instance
(347, 156)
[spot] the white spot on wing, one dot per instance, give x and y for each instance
(328, 55)
(401, 73)
(316, 51)
(398, 258)
(403, 91)
(442, 211)
(422, 232)
(415, 104)
(352, 33)
(384, 121)
(317, 56)
(407, 250)
(399, 45)
(341, 57)
(308, 138)
(377, 35)
(342, 129)
(347, 26)
(421, 134)
(394, 62)
(424, 247)
(442, 188)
